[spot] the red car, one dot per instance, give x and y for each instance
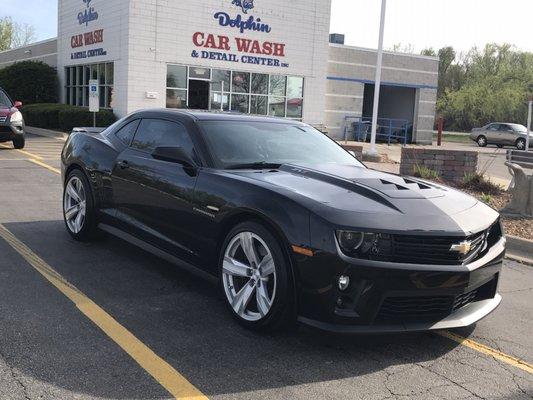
(11, 121)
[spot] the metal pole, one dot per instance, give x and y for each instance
(529, 123)
(94, 120)
(221, 95)
(377, 86)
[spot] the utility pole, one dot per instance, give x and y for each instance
(377, 87)
(529, 122)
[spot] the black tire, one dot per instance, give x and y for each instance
(19, 142)
(282, 314)
(89, 229)
(481, 141)
(521, 144)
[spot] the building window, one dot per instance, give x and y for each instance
(245, 92)
(77, 84)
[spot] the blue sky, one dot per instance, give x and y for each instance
(421, 23)
(42, 14)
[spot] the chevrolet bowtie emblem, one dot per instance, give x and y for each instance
(462, 248)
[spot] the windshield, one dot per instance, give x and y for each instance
(518, 128)
(5, 101)
(241, 143)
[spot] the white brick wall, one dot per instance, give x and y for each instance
(161, 33)
(143, 36)
(113, 19)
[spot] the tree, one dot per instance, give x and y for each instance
(429, 52)
(403, 48)
(30, 82)
(482, 86)
(15, 35)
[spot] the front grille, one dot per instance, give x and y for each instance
(424, 308)
(431, 308)
(3, 119)
(436, 250)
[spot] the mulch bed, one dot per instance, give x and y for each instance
(521, 227)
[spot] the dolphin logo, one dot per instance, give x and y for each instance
(245, 5)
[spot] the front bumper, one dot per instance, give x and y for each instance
(389, 297)
(9, 131)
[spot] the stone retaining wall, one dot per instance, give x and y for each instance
(451, 165)
(358, 150)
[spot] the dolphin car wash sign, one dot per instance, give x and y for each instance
(88, 15)
(90, 38)
(236, 47)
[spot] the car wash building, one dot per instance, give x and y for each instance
(251, 56)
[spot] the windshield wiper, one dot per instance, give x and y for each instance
(255, 165)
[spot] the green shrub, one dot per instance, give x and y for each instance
(423, 172)
(486, 198)
(64, 117)
(477, 182)
(30, 82)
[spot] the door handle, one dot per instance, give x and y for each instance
(123, 164)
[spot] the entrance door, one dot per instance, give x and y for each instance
(198, 95)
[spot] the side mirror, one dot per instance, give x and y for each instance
(17, 104)
(173, 154)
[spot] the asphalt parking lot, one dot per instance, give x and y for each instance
(106, 320)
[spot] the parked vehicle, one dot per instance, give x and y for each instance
(11, 121)
(290, 224)
(501, 134)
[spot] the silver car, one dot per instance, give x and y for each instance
(501, 134)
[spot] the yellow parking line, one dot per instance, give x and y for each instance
(515, 362)
(41, 164)
(22, 152)
(158, 368)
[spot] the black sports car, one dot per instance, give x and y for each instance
(292, 225)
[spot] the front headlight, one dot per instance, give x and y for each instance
(16, 117)
(364, 245)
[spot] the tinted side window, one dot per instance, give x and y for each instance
(153, 133)
(126, 133)
(504, 127)
(493, 127)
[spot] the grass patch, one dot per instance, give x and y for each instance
(477, 182)
(423, 172)
(454, 138)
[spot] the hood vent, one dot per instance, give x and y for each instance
(383, 181)
(420, 185)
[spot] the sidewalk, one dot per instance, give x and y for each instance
(47, 133)
(491, 160)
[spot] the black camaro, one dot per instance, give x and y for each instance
(292, 225)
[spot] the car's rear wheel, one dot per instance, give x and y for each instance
(481, 141)
(19, 142)
(255, 278)
(78, 207)
(521, 144)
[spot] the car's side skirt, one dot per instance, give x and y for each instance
(157, 252)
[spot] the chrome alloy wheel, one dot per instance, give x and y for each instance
(249, 276)
(75, 204)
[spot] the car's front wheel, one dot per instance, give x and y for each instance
(482, 141)
(255, 278)
(78, 206)
(521, 144)
(19, 142)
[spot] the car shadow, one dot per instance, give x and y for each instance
(178, 315)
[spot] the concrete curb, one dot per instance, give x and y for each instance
(520, 250)
(46, 132)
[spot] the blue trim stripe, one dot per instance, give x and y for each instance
(408, 85)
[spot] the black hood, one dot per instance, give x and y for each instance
(360, 198)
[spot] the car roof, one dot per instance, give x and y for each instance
(201, 115)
